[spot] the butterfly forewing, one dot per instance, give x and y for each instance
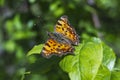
(54, 47)
(63, 27)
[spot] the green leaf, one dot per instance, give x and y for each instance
(23, 35)
(108, 57)
(85, 64)
(103, 73)
(17, 22)
(108, 62)
(117, 65)
(35, 50)
(90, 60)
(115, 75)
(10, 46)
(56, 9)
(9, 27)
(2, 2)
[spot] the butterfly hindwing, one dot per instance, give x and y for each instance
(56, 46)
(63, 27)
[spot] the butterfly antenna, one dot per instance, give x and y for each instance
(64, 16)
(49, 34)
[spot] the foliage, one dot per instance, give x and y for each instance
(24, 23)
(93, 60)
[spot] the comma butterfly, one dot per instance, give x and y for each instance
(61, 40)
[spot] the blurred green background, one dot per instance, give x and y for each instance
(23, 24)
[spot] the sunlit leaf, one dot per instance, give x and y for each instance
(85, 64)
(35, 50)
(23, 35)
(115, 75)
(108, 57)
(10, 46)
(103, 73)
(17, 22)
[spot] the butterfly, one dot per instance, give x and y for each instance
(61, 41)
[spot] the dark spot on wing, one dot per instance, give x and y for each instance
(63, 29)
(47, 44)
(50, 41)
(58, 46)
(54, 44)
(58, 23)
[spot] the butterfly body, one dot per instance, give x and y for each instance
(61, 41)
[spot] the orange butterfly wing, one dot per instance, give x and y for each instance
(55, 47)
(63, 27)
